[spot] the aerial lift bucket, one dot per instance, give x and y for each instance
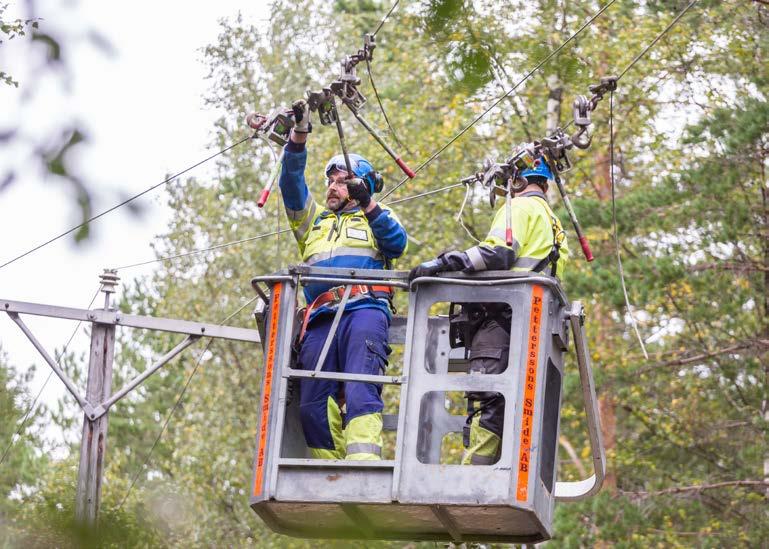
(417, 495)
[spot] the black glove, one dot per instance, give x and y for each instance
(428, 268)
(358, 190)
(302, 122)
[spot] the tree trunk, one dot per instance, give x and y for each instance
(607, 404)
(554, 99)
(765, 319)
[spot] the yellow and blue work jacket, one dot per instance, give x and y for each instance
(537, 236)
(345, 239)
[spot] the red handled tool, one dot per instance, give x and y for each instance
(401, 164)
(271, 182)
(509, 213)
(567, 203)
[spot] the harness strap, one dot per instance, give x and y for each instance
(334, 295)
(555, 252)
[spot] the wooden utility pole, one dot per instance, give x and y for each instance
(98, 389)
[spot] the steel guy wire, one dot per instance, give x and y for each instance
(614, 225)
(659, 36)
(115, 207)
(16, 436)
(175, 406)
(381, 107)
(384, 19)
(499, 100)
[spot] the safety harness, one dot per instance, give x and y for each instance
(334, 297)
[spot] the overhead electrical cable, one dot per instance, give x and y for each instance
(174, 408)
(499, 100)
(203, 250)
(614, 226)
(651, 44)
(31, 407)
(266, 235)
(659, 36)
(421, 195)
(384, 19)
(131, 199)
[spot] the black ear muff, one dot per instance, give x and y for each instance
(378, 182)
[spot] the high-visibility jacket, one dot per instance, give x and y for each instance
(536, 233)
(349, 239)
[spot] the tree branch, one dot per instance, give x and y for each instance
(573, 455)
(697, 489)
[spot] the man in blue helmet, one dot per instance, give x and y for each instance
(352, 230)
(539, 245)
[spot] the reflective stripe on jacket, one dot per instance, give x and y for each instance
(345, 239)
(534, 226)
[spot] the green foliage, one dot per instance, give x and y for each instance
(22, 460)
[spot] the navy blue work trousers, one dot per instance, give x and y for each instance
(359, 346)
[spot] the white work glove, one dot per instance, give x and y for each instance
(302, 122)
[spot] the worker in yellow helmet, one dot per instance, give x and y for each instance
(350, 231)
(539, 245)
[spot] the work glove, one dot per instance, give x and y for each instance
(428, 268)
(302, 122)
(358, 190)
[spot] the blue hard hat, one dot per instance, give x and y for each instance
(541, 169)
(360, 168)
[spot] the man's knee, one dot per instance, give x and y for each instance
(319, 418)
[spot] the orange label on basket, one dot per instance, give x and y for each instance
(269, 364)
(529, 394)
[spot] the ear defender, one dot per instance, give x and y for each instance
(378, 181)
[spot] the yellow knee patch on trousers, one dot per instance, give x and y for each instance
(363, 438)
(484, 445)
(335, 426)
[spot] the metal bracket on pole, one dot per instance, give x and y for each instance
(577, 490)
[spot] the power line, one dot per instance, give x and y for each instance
(647, 48)
(14, 438)
(384, 19)
(115, 207)
(428, 193)
(193, 252)
(498, 100)
(660, 35)
(174, 407)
